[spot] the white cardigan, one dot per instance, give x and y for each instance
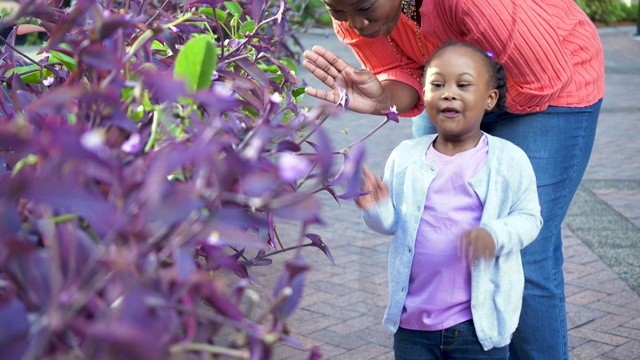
(506, 185)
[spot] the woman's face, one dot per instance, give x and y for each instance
(369, 18)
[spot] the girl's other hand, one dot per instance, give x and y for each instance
(377, 189)
(477, 243)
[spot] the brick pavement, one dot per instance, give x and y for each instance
(343, 304)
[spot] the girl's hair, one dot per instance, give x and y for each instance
(495, 70)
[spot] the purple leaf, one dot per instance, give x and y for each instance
(351, 172)
(212, 3)
(299, 207)
(257, 10)
(324, 153)
(14, 331)
(98, 56)
(10, 223)
(317, 242)
(254, 72)
(210, 293)
(68, 197)
(218, 99)
(290, 287)
(291, 167)
(287, 145)
(54, 101)
(315, 353)
(259, 182)
(163, 86)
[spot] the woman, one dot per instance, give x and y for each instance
(555, 73)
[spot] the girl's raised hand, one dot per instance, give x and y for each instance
(377, 189)
(364, 89)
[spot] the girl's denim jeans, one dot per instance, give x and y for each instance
(458, 342)
(558, 142)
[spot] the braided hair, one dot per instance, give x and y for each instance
(495, 70)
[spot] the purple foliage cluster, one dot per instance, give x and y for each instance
(149, 146)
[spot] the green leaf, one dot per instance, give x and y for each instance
(30, 74)
(28, 160)
(66, 60)
(206, 11)
(196, 62)
(298, 91)
(221, 15)
(234, 8)
(248, 26)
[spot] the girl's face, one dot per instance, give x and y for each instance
(369, 18)
(457, 92)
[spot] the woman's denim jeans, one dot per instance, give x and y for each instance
(457, 342)
(558, 142)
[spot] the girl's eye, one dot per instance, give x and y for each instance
(437, 85)
(463, 85)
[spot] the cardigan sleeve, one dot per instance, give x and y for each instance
(523, 220)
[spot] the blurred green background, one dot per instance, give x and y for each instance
(604, 12)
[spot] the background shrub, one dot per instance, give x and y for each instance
(146, 157)
(608, 11)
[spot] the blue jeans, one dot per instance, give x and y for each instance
(558, 142)
(455, 343)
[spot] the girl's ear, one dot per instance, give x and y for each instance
(492, 99)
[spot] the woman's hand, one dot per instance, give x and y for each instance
(377, 189)
(366, 93)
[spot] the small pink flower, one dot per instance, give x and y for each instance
(392, 114)
(93, 140)
(48, 81)
(132, 145)
(276, 98)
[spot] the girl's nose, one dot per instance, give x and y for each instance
(449, 95)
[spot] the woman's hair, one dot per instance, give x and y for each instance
(495, 70)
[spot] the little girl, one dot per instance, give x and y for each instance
(461, 204)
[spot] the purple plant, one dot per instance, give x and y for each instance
(147, 147)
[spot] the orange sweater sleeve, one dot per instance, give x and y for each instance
(550, 49)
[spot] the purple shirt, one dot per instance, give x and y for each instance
(439, 294)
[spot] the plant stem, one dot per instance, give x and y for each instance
(213, 349)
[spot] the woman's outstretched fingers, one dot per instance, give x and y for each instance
(323, 64)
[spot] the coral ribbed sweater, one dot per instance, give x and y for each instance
(550, 49)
